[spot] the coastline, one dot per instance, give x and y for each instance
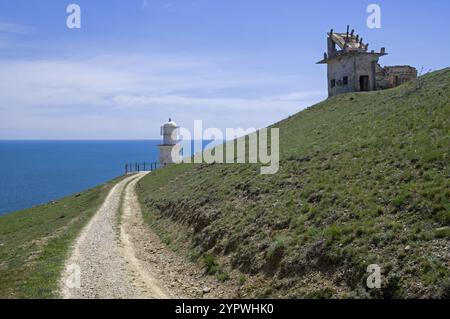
(38, 172)
(35, 242)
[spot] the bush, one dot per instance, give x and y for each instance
(276, 247)
(242, 279)
(444, 217)
(210, 264)
(401, 200)
(223, 276)
(326, 293)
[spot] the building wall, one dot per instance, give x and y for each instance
(170, 134)
(169, 154)
(352, 66)
(338, 69)
(392, 76)
(365, 66)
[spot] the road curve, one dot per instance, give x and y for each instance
(103, 259)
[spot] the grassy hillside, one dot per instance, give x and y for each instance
(364, 179)
(34, 243)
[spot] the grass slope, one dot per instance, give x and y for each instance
(34, 243)
(364, 179)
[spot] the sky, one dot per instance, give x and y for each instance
(231, 63)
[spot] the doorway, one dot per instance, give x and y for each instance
(396, 81)
(364, 83)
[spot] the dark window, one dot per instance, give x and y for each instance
(333, 83)
(345, 80)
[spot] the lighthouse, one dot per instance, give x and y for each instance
(169, 150)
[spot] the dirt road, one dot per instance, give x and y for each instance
(118, 256)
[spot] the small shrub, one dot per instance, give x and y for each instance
(223, 276)
(242, 279)
(326, 293)
(266, 293)
(194, 254)
(400, 200)
(333, 232)
(393, 288)
(434, 271)
(444, 217)
(167, 240)
(276, 247)
(210, 264)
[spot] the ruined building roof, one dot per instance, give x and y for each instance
(347, 41)
(340, 44)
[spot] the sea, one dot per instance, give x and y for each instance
(37, 172)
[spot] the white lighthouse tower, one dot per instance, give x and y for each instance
(169, 150)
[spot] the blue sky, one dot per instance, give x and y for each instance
(230, 63)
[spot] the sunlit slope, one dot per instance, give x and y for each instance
(364, 179)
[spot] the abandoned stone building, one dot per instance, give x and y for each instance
(353, 68)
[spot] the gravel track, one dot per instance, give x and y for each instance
(119, 257)
(105, 268)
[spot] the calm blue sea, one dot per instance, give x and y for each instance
(36, 172)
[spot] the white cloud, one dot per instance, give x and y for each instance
(14, 28)
(129, 96)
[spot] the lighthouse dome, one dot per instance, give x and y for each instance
(170, 123)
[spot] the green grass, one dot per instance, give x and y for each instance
(34, 243)
(362, 176)
(210, 263)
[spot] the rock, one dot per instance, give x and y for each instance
(206, 290)
(407, 248)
